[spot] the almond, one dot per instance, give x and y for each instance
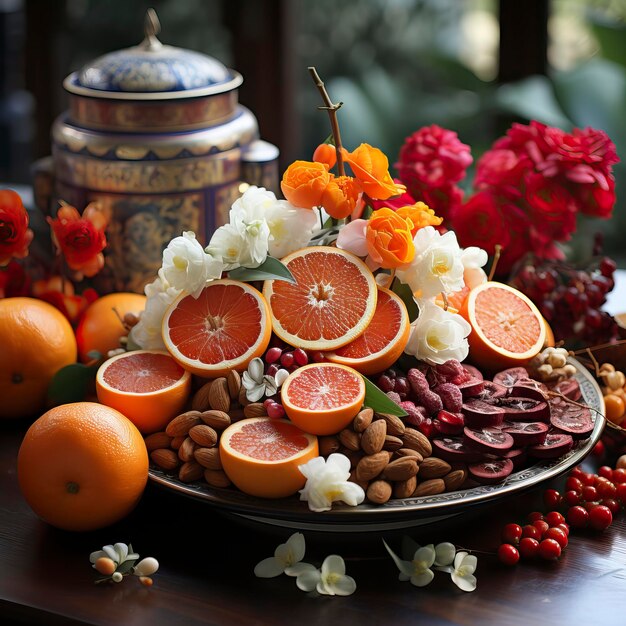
(256, 409)
(233, 380)
(401, 469)
(158, 440)
(216, 419)
(166, 459)
(190, 471)
(408, 452)
(395, 426)
(373, 437)
(430, 487)
(200, 400)
(177, 442)
(432, 467)
(455, 479)
(185, 452)
(370, 466)
(362, 420)
(415, 440)
(243, 398)
(328, 445)
(353, 456)
(208, 457)
(350, 439)
(379, 491)
(203, 435)
(219, 398)
(182, 424)
(392, 443)
(216, 478)
(404, 488)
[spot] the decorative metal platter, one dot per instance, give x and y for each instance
(399, 513)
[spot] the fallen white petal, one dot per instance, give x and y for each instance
(465, 583)
(344, 586)
(406, 567)
(444, 553)
(299, 568)
(333, 564)
(269, 568)
(423, 578)
(308, 580)
(297, 545)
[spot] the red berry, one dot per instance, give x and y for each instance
(573, 484)
(512, 533)
(572, 497)
(620, 492)
(531, 531)
(318, 356)
(612, 505)
(618, 476)
(549, 549)
(606, 472)
(300, 356)
(541, 525)
(272, 370)
(577, 517)
(587, 479)
(528, 548)
(558, 535)
(267, 402)
(287, 359)
(552, 499)
(554, 518)
(600, 517)
(606, 489)
(275, 411)
(577, 472)
(385, 383)
(564, 527)
(272, 355)
(589, 494)
(508, 554)
(599, 449)
(590, 505)
(534, 516)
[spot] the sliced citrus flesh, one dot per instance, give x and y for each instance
(323, 398)
(331, 303)
(383, 341)
(261, 456)
(226, 327)
(507, 328)
(147, 386)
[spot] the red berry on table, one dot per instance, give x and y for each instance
(577, 472)
(272, 355)
(528, 548)
(301, 357)
(590, 505)
(618, 476)
(620, 492)
(552, 499)
(541, 525)
(606, 472)
(587, 479)
(554, 518)
(287, 359)
(572, 497)
(564, 527)
(557, 534)
(508, 554)
(534, 516)
(578, 517)
(531, 531)
(549, 549)
(600, 517)
(589, 493)
(606, 489)
(573, 484)
(612, 504)
(599, 449)
(512, 533)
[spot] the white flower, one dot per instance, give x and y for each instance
(146, 567)
(231, 247)
(331, 580)
(437, 266)
(327, 482)
(473, 257)
(444, 554)
(287, 559)
(187, 267)
(438, 335)
(417, 570)
(463, 573)
(258, 384)
(118, 553)
(291, 228)
(248, 215)
(352, 237)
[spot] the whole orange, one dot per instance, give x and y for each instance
(36, 340)
(100, 327)
(82, 466)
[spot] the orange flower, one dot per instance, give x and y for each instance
(340, 196)
(371, 167)
(389, 240)
(419, 215)
(15, 236)
(304, 183)
(327, 154)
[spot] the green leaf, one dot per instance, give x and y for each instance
(378, 400)
(330, 140)
(71, 383)
(126, 566)
(405, 293)
(270, 269)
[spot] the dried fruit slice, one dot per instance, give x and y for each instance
(527, 433)
(554, 445)
(491, 440)
(261, 456)
(474, 372)
(525, 409)
(517, 455)
(569, 388)
(472, 387)
(491, 471)
(226, 327)
(455, 451)
(529, 389)
(331, 303)
(323, 398)
(479, 414)
(448, 423)
(492, 392)
(511, 376)
(383, 341)
(148, 387)
(570, 418)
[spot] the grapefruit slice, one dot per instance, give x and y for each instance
(147, 386)
(383, 341)
(261, 456)
(507, 328)
(226, 327)
(331, 303)
(323, 398)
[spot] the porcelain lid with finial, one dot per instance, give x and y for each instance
(152, 71)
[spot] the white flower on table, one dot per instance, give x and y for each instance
(330, 580)
(257, 384)
(417, 570)
(327, 482)
(462, 573)
(287, 559)
(118, 553)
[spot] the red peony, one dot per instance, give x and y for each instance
(15, 236)
(550, 207)
(504, 169)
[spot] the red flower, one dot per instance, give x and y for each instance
(60, 294)
(443, 200)
(597, 202)
(14, 281)
(551, 207)
(80, 239)
(15, 236)
(504, 169)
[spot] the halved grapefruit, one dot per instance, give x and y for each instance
(331, 303)
(226, 327)
(383, 341)
(323, 398)
(507, 328)
(147, 386)
(261, 456)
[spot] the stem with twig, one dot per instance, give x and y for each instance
(496, 258)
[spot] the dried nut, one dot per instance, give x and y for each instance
(353, 456)
(379, 491)
(455, 479)
(328, 445)
(182, 424)
(404, 488)
(190, 471)
(233, 380)
(402, 469)
(430, 487)
(166, 459)
(208, 457)
(203, 435)
(361, 483)
(373, 437)
(256, 409)
(370, 466)
(177, 442)
(216, 419)
(243, 398)
(392, 443)
(216, 478)
(219, 398)
(185, 452)
(408, 452)
(362, 420)
(432, 467)
(158, 440)
(236, 415)
(200, 400)
(350, 439)
(415, 440)
(395, 426)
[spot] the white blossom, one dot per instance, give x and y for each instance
(462, 573)
(418, 569)
(258, 384)
(118, 553)
(331, 580)
(352, 237)
(291, 228)
(287, 559)
(230, 246)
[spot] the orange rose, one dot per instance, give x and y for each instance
(340, 196)
(389, 240)
(304, 183)
(419, 215)
(371, 167)
(327, 154)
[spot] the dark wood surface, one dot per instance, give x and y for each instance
(207, 562)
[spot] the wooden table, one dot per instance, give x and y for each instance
(207, 562)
